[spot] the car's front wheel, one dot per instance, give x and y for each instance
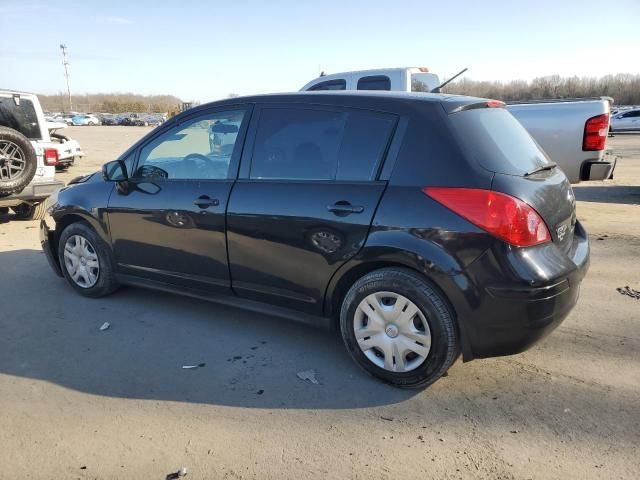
(399, 327)
(86, 261)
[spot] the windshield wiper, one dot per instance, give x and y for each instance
(542, 168)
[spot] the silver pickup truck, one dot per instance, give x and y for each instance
(573, 132)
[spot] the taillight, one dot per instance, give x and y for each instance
(50, 156)
(595, 133)
(503, 216)
(495, 104)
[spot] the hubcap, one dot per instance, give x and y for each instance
(81, 261)
(12, 160)
(392, 332)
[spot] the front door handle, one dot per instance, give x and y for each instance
(205, 201)
(343, 208)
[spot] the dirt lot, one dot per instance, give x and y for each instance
(76, 402)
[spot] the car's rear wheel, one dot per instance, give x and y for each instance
(86, 261)
(399, 327)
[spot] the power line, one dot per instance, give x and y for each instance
(65, 62)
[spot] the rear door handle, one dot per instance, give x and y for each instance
(343, 208)
(205, 201)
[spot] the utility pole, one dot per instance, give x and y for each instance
(65, 62)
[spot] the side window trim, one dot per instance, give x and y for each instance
(237, 154)
(390, 150)
(393, 149)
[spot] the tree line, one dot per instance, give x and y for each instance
(624, 88)
(111, 103)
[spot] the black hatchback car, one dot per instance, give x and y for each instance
(421, 226)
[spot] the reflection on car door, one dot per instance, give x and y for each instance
(306, 204)
(168, 222)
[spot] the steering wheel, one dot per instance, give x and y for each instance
(210, 167)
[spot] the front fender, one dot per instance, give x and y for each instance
(84, 201)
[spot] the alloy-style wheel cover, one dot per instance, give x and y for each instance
(12, 160)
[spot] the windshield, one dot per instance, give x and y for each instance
(498, 141)
(21, 117)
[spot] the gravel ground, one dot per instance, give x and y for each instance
(77, 402)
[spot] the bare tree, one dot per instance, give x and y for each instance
(623, 87)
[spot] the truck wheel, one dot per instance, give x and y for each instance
(86, 261)
(398, 327)
(26, 211)
(18, 161)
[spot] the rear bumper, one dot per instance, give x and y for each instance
(47, 241)
(597, 170)
(511, 309)
(33, 192)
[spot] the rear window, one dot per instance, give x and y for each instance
(21, 117)
(374, 82)
(423, 82)
(330, 85)
(498, 141)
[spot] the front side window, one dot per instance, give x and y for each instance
(375, 82)
(199, 149)
(306, 144)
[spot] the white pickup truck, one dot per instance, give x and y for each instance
(572, 132)
(27, 159)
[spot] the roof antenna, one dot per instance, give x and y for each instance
(446, 82)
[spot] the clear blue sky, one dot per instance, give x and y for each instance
(204, 50)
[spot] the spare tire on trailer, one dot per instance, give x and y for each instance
(18, 161)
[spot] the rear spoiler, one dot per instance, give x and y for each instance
(474, 105)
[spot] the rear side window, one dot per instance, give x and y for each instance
(498, 141)
(306, 144)
(21, 117)
(340, 84)
(375, 82)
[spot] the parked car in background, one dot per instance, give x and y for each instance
(68, 149)
(134, 120)
(572, 132)
(109, 119)
(84, 119)
(422, 226)
(27, 161)
(626, 120)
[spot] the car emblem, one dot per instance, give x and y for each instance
(561, 232)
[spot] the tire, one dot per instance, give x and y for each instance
(433, 315)
(26, 211)
(97, 251)
(91, 124)
(18, 161)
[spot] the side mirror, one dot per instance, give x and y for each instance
(115, 171)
